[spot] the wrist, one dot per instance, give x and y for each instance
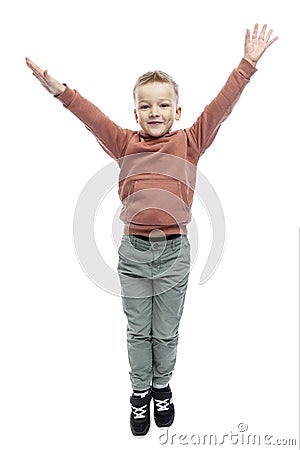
(253, 63)
(60, 89)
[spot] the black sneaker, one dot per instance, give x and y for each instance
(140, 415)
(164, 411)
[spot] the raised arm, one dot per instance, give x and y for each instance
(112, 138)
(50, 84)
(206, 127)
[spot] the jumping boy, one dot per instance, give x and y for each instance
(157, 177)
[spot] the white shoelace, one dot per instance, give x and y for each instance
(139, 413)
(162, 405)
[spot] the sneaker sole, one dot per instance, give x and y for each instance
(140, 436)
(164, 425)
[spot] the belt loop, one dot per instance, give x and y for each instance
(132, 240)
(172, 244)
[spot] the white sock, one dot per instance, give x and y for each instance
(140, 394)
(160, 386)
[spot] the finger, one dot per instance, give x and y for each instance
(43, 82)
(272, 41)
(35, 69)
(254, 34)
(48, 78)
(247, 36)
(263, 30)
(28, 61)
(32, 65)
(268, 35)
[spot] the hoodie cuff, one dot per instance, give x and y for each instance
(246, 69)
(67, 96)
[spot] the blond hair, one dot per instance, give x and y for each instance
(156, 75)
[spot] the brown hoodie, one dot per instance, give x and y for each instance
(158, 175)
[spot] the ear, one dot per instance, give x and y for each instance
(178, 113)
(136, 116)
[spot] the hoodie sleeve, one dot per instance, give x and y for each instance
(112, 138)
(206, 127)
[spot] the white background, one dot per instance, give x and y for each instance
(64, 370)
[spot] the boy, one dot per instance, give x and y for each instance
(157, 177)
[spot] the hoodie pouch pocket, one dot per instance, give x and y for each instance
(156, 202)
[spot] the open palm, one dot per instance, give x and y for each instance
(257, 45)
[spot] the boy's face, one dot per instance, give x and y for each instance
(156, 108)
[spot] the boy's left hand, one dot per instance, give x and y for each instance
(255, 47)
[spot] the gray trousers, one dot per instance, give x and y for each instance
(153, 277)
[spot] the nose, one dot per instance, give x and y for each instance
(154, 111)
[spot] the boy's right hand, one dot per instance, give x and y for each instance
(51, 84)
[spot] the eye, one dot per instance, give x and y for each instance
(144, 107)
(165, 105)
